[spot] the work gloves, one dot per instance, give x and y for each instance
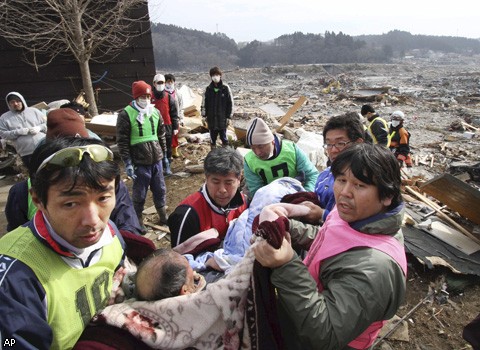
(22, 131)
(130, 170)
(35, 130)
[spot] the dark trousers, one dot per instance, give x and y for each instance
(223, 136)
(148, 176)
(168, 137)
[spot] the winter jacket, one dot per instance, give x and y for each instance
(167, 106)
(353, 282)
(28, 293)
(276, 167)
(13, 122)
(400, 140)
(378, 131)
(198, 213)
(324, 191)
(177, 96)
(217, 105)
(145, 153)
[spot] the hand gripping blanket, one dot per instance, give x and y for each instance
(210, 319)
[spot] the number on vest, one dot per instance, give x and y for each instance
(98, 292)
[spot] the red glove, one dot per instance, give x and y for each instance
(273, 231)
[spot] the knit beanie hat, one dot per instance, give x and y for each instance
(258, 132)
(65, 122)
(140, 88)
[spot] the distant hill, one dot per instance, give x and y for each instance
(177, 48)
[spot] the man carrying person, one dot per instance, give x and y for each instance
(19, 209)
(215, 205)
(353, 278)
(272, 158)
(339, 133)
(58, 269)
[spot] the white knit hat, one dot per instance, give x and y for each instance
(258, 132)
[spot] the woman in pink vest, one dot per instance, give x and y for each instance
(354, 275)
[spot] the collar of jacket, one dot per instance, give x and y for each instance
(236, 201)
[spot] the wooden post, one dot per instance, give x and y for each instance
(301, 100)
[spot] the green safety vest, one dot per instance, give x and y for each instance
(145, 132)
(31, 208)
(283, 165)
(73, 295)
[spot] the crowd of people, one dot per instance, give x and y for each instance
(333, 244)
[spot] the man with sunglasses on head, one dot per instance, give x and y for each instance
(57, 269)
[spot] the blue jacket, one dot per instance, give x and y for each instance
(324, 191)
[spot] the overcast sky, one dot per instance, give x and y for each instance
(248, 20)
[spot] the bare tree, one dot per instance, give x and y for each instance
(89, 30)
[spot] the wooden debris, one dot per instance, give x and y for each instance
(286, 118)
(440, 214)
(456, 194)
(194, 169)
(158, 227)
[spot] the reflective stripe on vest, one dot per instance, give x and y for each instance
(385, 125)
(142, 132)
(341, 238)
(73, 295)
(283, 165)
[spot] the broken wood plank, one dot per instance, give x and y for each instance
(456, 194)
(442, 215)
(470, 126)
(453, 238)
(158, 227)
(286, 118)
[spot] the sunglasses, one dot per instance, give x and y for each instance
(72, 156)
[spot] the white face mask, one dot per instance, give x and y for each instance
(143, 102)
(395, 123)
(170, 87)
(160, 87)
(216, 78)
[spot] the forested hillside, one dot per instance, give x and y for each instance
(178, 48)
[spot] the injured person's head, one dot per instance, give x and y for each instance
(164, 274)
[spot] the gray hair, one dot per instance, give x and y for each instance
(167, 276)
(223, 161)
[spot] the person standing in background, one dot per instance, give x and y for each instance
(142, 145)
(165, 103)
(400, 139)
(173, 91)
(217, 108)
(377, 127)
